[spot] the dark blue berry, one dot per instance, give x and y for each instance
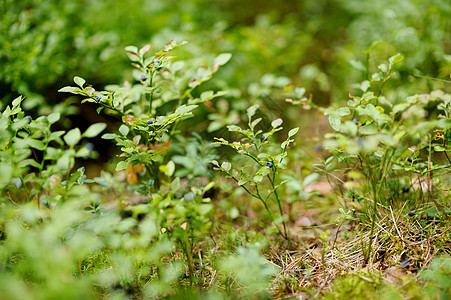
(90, 146)
(269, 164)
(409, 159)
(318, 147)
(411, 213)
(134, 101)
(355, 120)
(156, 63)
(405, 189)
(98, 98)
(149, 122)
(262, 138)
(364, 123)
(143, 78)
(188, 216)
(27, 118)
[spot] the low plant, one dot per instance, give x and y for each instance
(150, 111)
(265, 166)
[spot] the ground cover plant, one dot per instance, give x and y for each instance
(239, 164)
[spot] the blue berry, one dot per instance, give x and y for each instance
(143, 78)
(411, 213)
(90, 146)
(355, 120)
(405, 189)
(27, 118)
(359, 142)
(98, 98)
(409, 159)
(269, 164)
(149, 122)
(134, 101)
(156, 63)
(364, 123)
(17, 182)
(262, 138)
(318, 147)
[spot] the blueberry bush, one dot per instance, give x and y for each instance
(296, 149)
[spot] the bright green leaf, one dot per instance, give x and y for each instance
(79, 81)
(94, 130)
(72, 137)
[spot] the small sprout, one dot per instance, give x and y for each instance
(98, 98)
(411, 213)
(269, 164)
(149, 122)
(355, 120)
(143, 78)
(409, 159)
(405, 189)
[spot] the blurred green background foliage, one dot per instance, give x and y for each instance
(318, 44)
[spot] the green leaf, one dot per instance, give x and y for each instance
(206, 95)
(293, 131)
(395, 59)
(123, 129)
(168, 169)
(204, 209)
(131, 49)
(233, 128)
(68, 89)
(53, 117)
(184, 109)
(39, 145)
(122, 165)
(251, 110)
(335, 121)
(65, 162)
(109, 136)
(79, 81)
(17, 101)
(72, 137)
(368, 129)
(276, 122)
(358, 65)
(226, 166)
(310, 178)
(94, 130)
(223, 58)
(365, 85)
(343, 111)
